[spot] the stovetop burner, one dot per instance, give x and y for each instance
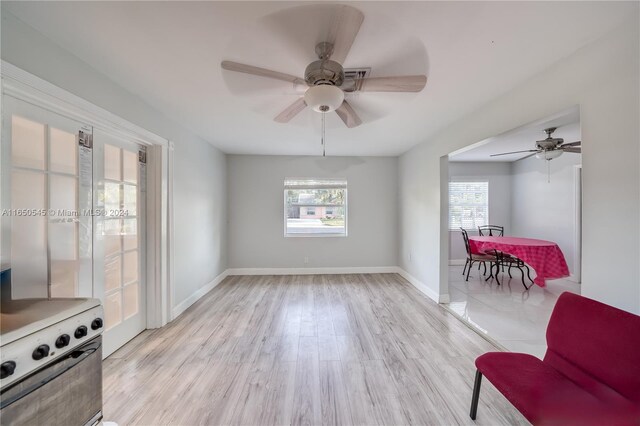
(20, 318)
(37, 332)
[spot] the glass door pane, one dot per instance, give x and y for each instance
(121, 245)
(47, 253)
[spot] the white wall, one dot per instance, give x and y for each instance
(256, 212)
(499, 177)
(546, 210)
(200, 174)
(602, 78)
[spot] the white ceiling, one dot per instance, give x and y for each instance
(567, 125)
(169, 54)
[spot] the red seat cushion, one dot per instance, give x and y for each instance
(546, 396)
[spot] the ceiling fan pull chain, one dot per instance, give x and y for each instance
(323, 134)
(548, 171)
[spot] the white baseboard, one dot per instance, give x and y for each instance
(314, 271)
(184, 305)
(438, 298)
(457, 262)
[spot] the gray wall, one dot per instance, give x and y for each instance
(602, 78)
(200, 169)
(499, 177)
(256, 212)
(546, 210)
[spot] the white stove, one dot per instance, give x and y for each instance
(34, 332)
(50, 358)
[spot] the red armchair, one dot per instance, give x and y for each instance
(590, 374)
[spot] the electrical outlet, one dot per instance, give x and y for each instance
(306, 260)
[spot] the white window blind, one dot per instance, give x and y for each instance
(468, 204)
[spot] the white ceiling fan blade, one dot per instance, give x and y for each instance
(262, 72)
(576, 143)
(576, 150)
(291, 111)
(514, 152)
(348, 115)
(407, 83)
(344, 29)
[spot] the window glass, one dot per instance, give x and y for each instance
(468, 205)
(315, 207)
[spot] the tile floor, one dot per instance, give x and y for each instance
(510, 316)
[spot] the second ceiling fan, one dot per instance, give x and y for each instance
(549, 148)
(325, 77)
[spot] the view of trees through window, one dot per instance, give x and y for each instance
(315, 207)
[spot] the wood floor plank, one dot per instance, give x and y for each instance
(357, 349)
(307, 405)
(334, 399)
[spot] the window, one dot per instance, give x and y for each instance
(315, 207)
(468, 204)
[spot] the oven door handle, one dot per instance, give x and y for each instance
(59, 367)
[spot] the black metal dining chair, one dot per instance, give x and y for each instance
(476, 257)
(491, 231)
(505, 259)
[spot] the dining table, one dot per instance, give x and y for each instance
(544, 257)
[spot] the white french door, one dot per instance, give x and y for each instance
(46, 197)
(119, 243)
(73, 208)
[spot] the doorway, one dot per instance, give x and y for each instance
(505, 182)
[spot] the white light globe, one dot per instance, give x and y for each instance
(324, 98)
(548, 155)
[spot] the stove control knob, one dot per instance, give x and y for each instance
(80, 332)
(62, 341)
(96, 324)
(7, 369)
(40, 352)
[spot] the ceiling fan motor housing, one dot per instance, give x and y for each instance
(549, 143)
(324, 71)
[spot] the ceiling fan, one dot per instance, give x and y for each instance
(325, 77)
(549, 148)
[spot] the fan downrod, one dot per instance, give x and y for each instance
(324, 50)
(324, 70)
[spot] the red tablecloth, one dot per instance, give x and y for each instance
(545, 257)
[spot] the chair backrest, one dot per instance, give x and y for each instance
(491, 230)
(465, 237)
(589, 340)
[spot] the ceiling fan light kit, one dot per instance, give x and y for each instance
(324, 98)
(548, 155)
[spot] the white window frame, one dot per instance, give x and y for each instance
(340, 183)
(471, 179)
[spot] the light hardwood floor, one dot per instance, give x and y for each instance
(362, 349)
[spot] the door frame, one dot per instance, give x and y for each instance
(29, 88)
(577, 230)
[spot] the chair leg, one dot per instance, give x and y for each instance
(510, 276)
(476, 395)
(522, 272)
(484, 266)
(464, 270)
(469, 270)
(528, 276)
